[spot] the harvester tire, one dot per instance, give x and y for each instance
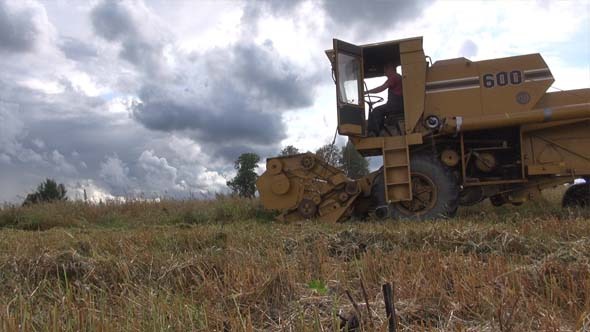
(498, 200)
(381, 210)
(435, 191)
(577, 195)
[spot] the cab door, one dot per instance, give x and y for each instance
(350, 101)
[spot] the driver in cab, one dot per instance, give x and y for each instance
(395, 101)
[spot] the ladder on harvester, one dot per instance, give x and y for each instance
(396, 169)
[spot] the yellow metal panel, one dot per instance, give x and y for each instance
(411, 45)
(394, 142)
(558, 149)
(552, 124)
(445, 104)
(450, 81)
(501, 99)
(277, 200)
(376, 143)
(570, 97)
(396, 169)
(396, 42)
(414, 139)
(414, 78)
(545, 169)
(490, 87)
(350, 129)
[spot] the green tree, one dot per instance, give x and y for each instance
(353, 164)
(330, 154)
(47, 191)
(289, 150)
(244, 183)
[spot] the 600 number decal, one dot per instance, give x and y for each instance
(502, 79)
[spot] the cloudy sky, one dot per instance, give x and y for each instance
(159, 97)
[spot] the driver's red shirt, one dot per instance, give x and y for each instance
(394, 84)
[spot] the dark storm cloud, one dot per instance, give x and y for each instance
(369, 16)
(76, 49)
(350, 16)
(253, 10)
(228, 100)
(37, 104)
(72, 137)
(229, 123)
(113, 21)
(225, 101)
(230, 152)
(85, 142)
(240, 102)
(55, 119)
(19, 31)
(91, 144)
(275, 81)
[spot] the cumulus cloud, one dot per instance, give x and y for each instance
(76, 49)
(115, 173)
(23, 25)
(353, 18)
(38, 143)
(11, 128)
(112, 20)
(12, 134)
(212, 104)
(92, 190)
(218, 97)
(371, 16)
(61, 164)
(4, 158)
(233, 121)
(117, 21)
(201, 180)
(237, 100)
(161, 175)
(18, 30)
(254, 10)
(29, 156)
(468, 49)
(186, 150)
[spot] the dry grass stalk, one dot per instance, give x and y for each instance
(215, 266)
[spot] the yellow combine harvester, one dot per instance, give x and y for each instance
(470, 130)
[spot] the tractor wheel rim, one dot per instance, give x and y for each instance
(424, 196)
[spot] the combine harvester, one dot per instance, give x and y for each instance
(470, 130)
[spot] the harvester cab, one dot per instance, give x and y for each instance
(352, 64)
(470, 130)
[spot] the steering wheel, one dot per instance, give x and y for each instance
(371, 100)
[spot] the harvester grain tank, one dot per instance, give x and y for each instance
(470, 130)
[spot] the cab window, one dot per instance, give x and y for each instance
(349, 71)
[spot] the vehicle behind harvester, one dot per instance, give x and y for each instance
(470, 130)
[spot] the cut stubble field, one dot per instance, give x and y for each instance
(224, 265)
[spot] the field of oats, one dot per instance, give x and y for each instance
(224, 265)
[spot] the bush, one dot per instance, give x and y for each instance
(48, 191)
